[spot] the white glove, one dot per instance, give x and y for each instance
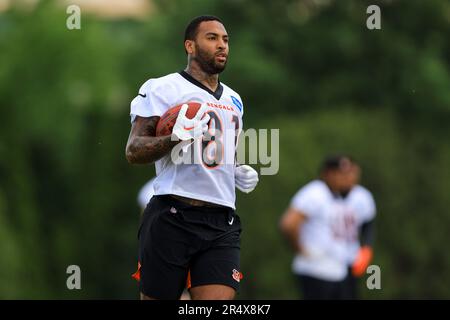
(246, 178)
(187, 129)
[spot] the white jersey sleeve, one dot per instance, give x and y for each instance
(152, 100)
(364, 203)
(308, 199)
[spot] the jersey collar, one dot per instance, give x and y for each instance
(337, 195)
(216, 94)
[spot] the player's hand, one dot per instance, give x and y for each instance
(187, 129)
(362, 261)
(246, 178)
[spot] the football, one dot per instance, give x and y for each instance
(168, 119)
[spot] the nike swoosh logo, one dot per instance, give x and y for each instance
(142, 95)
(231, 221)
(187, 129)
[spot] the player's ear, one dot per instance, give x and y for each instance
(189, 46)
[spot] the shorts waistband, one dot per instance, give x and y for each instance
(194, 204)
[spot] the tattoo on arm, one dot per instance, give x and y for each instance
(143, 146)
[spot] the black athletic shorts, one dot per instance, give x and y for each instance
(317, 289)
(176, 238)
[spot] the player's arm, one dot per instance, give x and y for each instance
(143, 146)
(290, 224)
(367, 232)
(365, 253)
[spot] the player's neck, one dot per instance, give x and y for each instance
(211, 81)
(330, 187)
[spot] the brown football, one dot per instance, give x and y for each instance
(168, 119)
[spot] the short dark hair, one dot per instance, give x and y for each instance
(336, 162)
(191, 30)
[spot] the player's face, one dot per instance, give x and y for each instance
(343, 180)
(211, 47)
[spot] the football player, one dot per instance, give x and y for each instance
(190, 223)
(330, 224)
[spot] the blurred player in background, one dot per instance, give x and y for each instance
(190, 223)
(330, 225)
(145, 194)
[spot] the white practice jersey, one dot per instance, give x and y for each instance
(209, 176)
(330, 234)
